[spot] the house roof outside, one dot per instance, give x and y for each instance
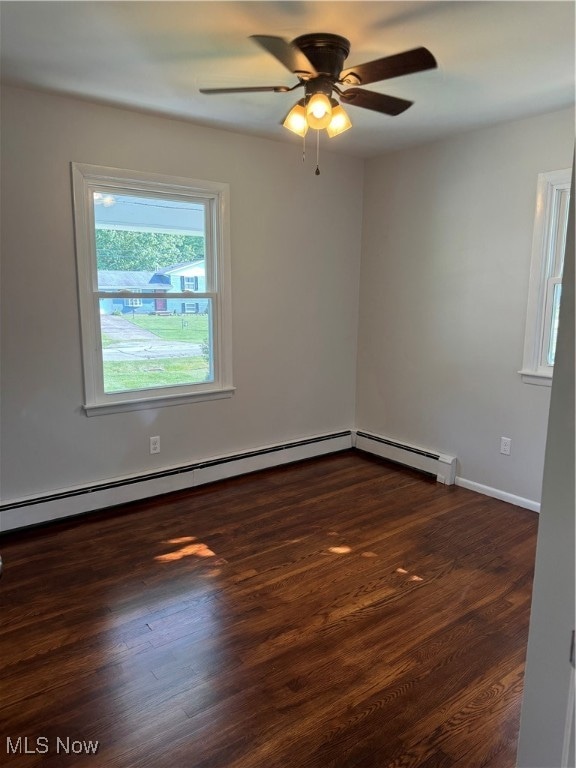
(120, 279)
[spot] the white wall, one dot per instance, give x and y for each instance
(446, 233)
(445, 263)
(295, 267)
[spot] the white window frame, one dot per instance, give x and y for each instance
(87, 179)
(550, 227)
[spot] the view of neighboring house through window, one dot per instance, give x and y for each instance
(545, 290)
(152, 273)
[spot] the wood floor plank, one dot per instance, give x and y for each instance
(341, 612)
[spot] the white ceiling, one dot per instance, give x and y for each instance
(497, 60)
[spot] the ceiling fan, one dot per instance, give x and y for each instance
(317, 60)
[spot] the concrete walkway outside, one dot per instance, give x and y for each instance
(133, 343)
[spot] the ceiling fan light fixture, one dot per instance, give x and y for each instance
(296, 119)
(319, 111)
(317, 60)
(339, 123)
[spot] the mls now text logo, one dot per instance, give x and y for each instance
(41, 745)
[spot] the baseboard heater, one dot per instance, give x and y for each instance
(438, 464)
(75, 501)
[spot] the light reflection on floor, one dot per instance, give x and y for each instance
(159, 634)
(175, 631)
(404, 572)
(192, 547)
(198, 549)
(344, 550)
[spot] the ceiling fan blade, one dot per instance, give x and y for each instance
(287, 54)
(379, 102)
(416, 60)
(248, 89)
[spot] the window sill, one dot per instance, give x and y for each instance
(533, 377)
(118, 406)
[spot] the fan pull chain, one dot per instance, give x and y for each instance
(304, 148)
(317, 171)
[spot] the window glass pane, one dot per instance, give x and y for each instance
(143, 348)
(145, 243)
(554, 323)
(560, 232)
(153, 269)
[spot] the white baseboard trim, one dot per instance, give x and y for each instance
(431, 462)
(270, 456)
(487, 490)
(73, 501)
(69, 502)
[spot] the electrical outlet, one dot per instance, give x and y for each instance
(155, 444)
(505, 445)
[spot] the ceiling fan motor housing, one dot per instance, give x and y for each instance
(326, 52)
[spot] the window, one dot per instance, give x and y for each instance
(190, 283)
(143, 242)
(545, 289)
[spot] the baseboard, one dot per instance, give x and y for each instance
(423, 459)
(69, 502)
(496, 493)
(433, 463)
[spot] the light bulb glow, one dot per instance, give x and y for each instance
(319, 111)
(339, 123)
(296, 120)
(318, 107)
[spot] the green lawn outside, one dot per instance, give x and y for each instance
(129, 375)
(146, 374)
(192, 328)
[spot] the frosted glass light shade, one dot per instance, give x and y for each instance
(339, 123)
(296, 120)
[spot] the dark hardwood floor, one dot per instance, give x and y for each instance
(337, 613)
